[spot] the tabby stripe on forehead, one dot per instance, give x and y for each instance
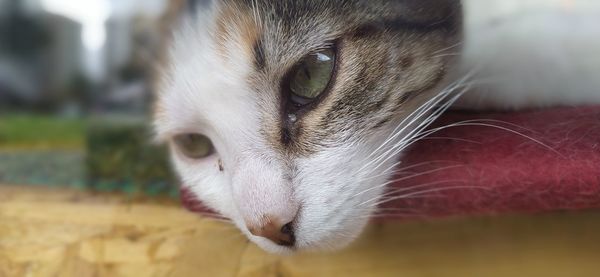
(259, 55)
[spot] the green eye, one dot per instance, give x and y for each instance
(311, 76)
(194, 146)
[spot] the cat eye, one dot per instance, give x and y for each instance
(194, 146)
(311, 76)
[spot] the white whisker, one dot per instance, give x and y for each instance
(403, 169)
(379, 197)
(409, 195)
(477, 123)
(421, 111)
(409, 139)
(406, 178)
(449, 47)
(426, 108)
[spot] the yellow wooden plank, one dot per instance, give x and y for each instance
(71, 233)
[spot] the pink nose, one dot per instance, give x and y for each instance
(280, 234)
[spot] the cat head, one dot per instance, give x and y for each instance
(286, 116)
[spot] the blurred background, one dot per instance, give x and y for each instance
(75, 90)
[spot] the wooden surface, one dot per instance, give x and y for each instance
(68, 233)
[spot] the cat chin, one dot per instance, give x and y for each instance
(303, 247)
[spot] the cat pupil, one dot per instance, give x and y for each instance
(307, 73)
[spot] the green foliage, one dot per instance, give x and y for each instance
(118, 154)
(31, 131)
(121, 157)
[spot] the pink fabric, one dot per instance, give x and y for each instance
(526, 162)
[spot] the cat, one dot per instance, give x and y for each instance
(288, 117)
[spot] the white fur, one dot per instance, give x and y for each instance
(533, 53)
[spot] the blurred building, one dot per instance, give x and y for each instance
(40, 57)
(65, 53)
(46, 64)
(132, 47)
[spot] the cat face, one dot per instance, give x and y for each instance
(286, 116)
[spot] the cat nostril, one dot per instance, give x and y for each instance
(280, 235)
(289, 238)
(288, 229)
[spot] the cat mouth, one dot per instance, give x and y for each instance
(190, 202)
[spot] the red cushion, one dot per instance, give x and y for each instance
(525, 162)
(535, 161)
